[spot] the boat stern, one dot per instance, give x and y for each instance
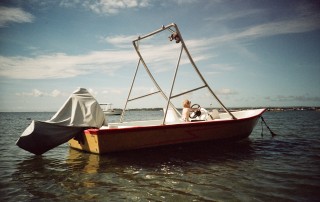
(89, 142)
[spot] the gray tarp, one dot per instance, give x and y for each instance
(79, 112)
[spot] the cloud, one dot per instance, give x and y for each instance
(235, 15)
(221, 67)
(38, 93)
(299, 25)
(300, 98)
(123, 41)
(14, 15)
(114, 91)
(108, 7)
(179, 2)
(61, 65)
(300, 17)
(226, 91)
(113, 7)
(291, 26)
(305, 21)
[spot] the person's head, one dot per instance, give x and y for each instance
(186, 103)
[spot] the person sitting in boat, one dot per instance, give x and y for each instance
(186, 110)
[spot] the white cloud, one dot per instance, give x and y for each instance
(119, 40)
(298, 25)
(113, 7)
(179, 2)
(38, 93)
(304, 20)
(110, 6)
(235, 15)
(221, 67)
(114, 91)
(226, 91)
(56, 93)
(290, 98)
(14, 15)
(60, 65)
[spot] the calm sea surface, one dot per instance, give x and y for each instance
(283, 168)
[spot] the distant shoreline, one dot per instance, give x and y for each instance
(242, 108)
(278, 109)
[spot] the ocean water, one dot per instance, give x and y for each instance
(259, 168)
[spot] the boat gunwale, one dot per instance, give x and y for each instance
(98, 131)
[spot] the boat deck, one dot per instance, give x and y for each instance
(173, 119)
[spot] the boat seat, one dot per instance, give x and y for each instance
(214, 114)
(172, 116)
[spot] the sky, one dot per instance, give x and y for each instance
(251, 53)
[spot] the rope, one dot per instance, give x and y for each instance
(263, 121)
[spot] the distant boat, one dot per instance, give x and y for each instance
(108, 110)
(204, 126)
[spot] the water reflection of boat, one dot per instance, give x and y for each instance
(109, 110)
(205, 126)
(206, 152)
(89, 163)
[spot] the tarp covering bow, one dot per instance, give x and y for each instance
(79, 112)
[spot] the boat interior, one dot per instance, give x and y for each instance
(174, 118)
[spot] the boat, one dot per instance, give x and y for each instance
(205, 125)
(108, 110)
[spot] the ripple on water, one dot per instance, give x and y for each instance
(283, 168)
